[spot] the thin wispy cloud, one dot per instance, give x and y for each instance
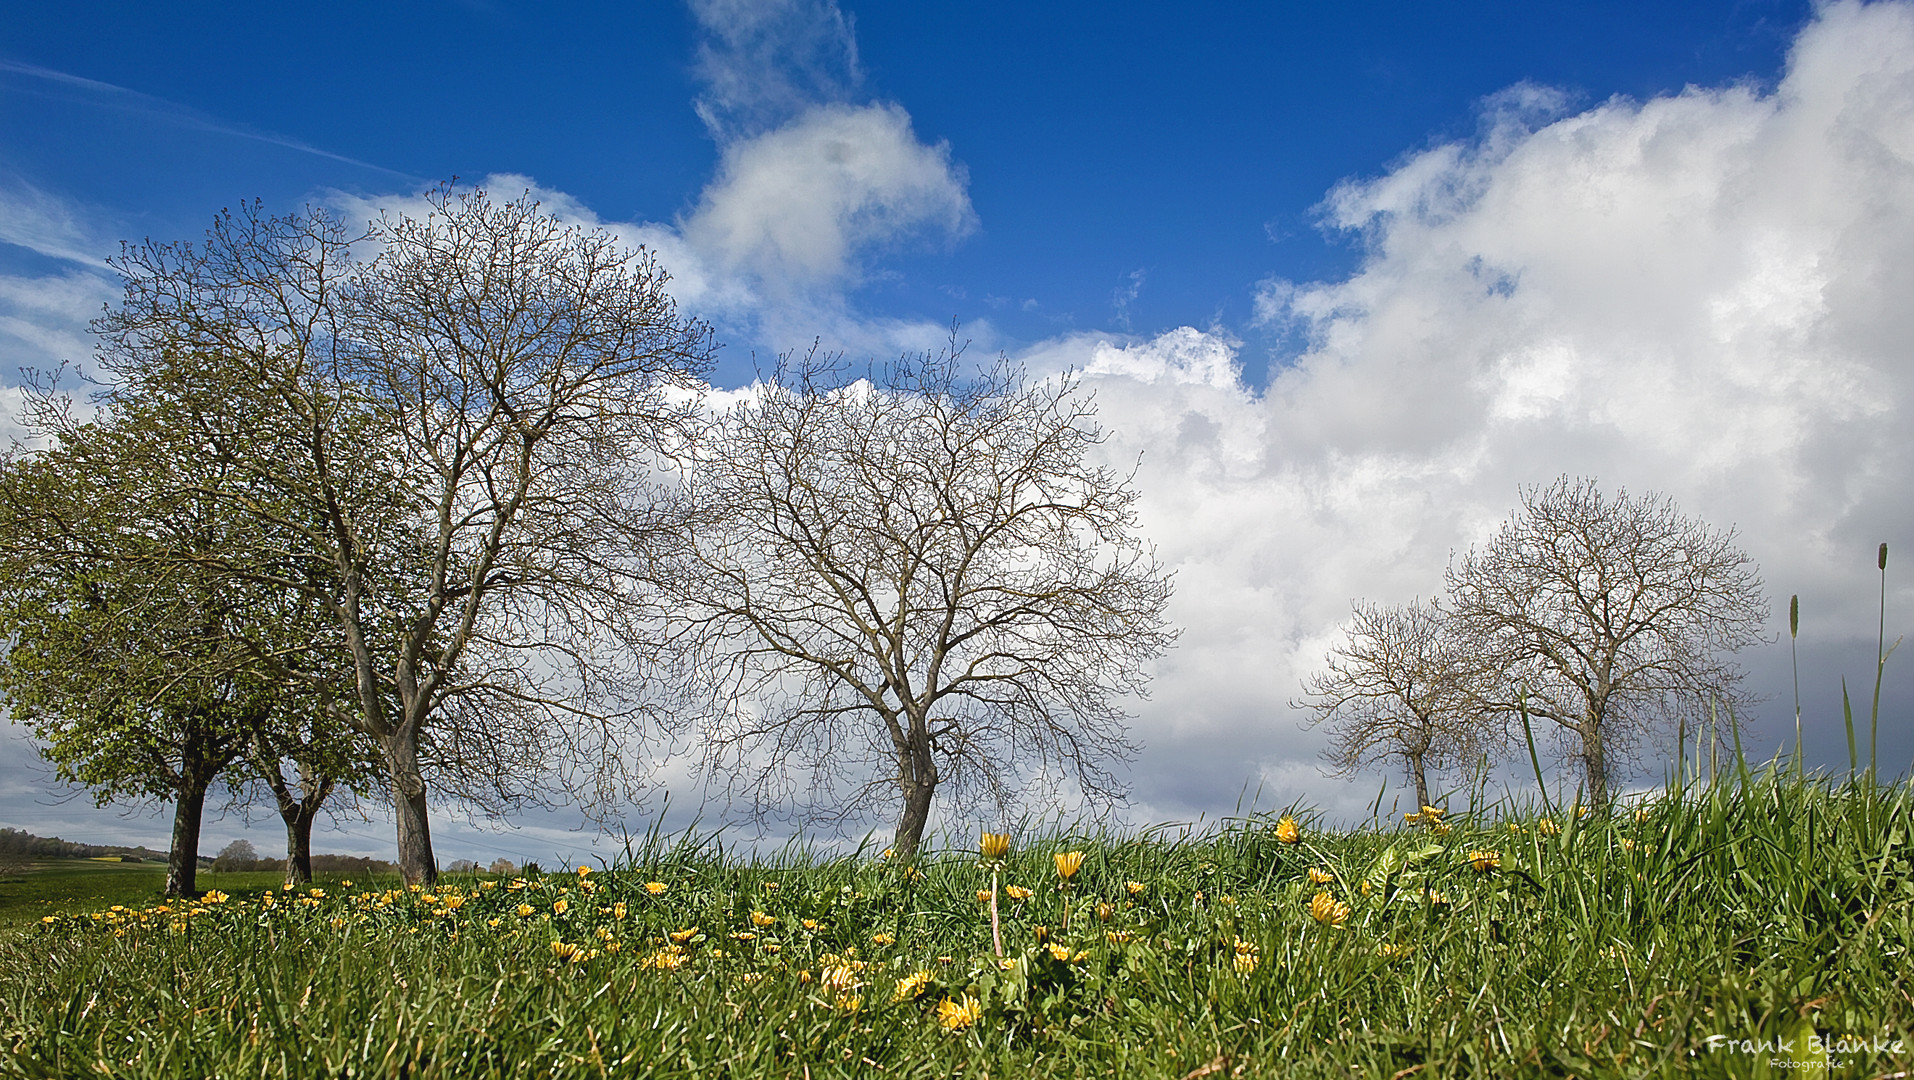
(125, 99)
(765, 62)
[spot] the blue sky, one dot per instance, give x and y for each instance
(1130, 167)
(1345, 276)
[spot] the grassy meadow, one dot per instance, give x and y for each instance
(1740, 930)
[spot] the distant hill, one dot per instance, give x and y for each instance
(18, 843)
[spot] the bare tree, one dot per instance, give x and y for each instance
(1612, 614)
(1400, 687)
(914, 584)
(454, 439)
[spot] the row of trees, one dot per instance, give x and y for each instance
(433, 510)
(1609, 618)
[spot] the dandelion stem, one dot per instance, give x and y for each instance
(996, 929)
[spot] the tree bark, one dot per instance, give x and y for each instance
(910, 824)
(182, 861)
(1422, 781)
(299, 850)
(917, 782)
(1595, 764)
(408, 806)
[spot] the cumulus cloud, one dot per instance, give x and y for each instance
(812, 179)
(1703, 294)
(797, 205)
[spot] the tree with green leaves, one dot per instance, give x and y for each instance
(136, 673)
(452, 441)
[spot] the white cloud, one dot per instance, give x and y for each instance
(763, 62)
(1704, 294)
(49, 225)
(798, 205)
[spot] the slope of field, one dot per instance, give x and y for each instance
(1744, 930)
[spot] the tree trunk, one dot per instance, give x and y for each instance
(408, 806)
(917, 782)
(299, 849)
(1595, 764)
(1422, 781)
(297, 813)
(910, 824)
(182, 861)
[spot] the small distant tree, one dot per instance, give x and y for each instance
(238, 855)
(1613, 614)
(503, 866)
(1399, 688)
(916, 582)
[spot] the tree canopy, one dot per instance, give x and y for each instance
(913, 582)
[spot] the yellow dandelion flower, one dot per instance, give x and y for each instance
(1105, 910)
(584, 871)
(957, 1015)
(1319, 876)
(559, 907)
(911, 985)
(565, 950)
(1134, 888)
(1328, 910)
(1287, 831)
(1058, 952)
(759, 918)
(983, 896)
(994, 845)
(655, 887)
(487, 886)
(1392, 951)
(523, 911)
(1245, 962)
(811, 924)
(489, 922)
(881, 938)
(1068, 863)
(1485, 861)
(1015, 892)
(619, 909)
(1641, 815)
(1547, 827)
(664, 960)
(848, 1003)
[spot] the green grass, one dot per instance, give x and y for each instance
(33, 889)
(1615, 947)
